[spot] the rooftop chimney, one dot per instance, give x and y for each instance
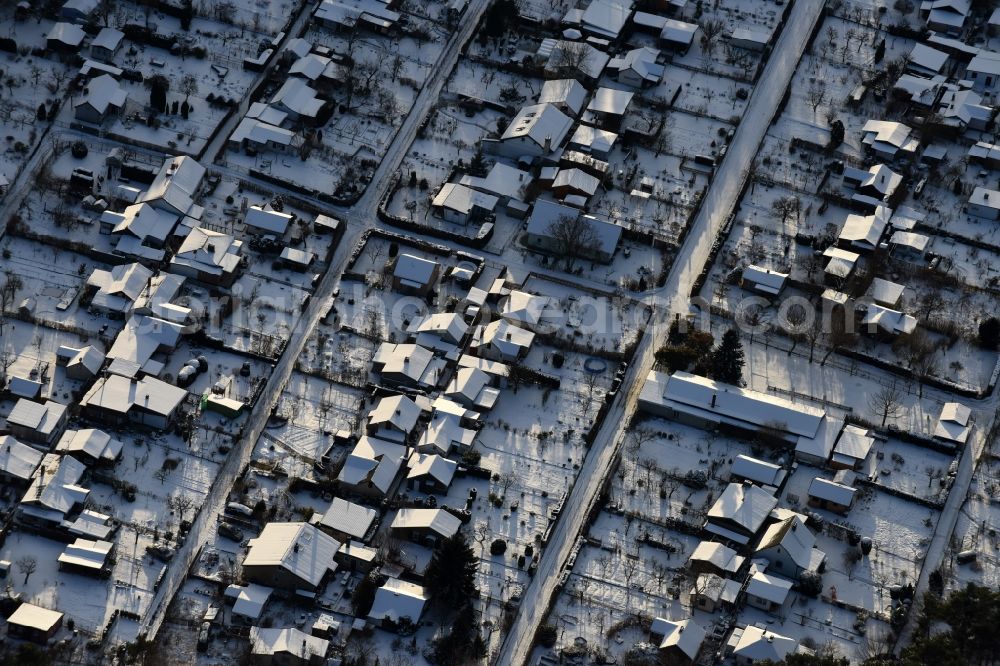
(713, 401)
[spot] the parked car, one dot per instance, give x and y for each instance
(230, 531)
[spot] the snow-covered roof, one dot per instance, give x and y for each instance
(577, 180)
(770, 588)
(758, 644)
(266, 113)
(610, 101)
(347, 517)
(642, 61)
(261, 133)
(985, 197)
(470, 386)
(955, 423)
(143, 336)
(398, 599)
(594, 139)
(108, 38)
(678, 32)
(414, 271)
(294, 255)
(841, 262)
(91, 442)
(720, 556)
(853, 444)
(18, 460)
(310, 66)
(910, 240)
(438, 521)
(118, 288)
(208, 252)
(544, 124)
(249, 599)
(888, 136)
(885, 293)
(408, 363)
(831, 491)
(54, 485)
(927, 58)
(745, 505)
(433, 466)
(298, 46)
(567, 92)
(119, 394)
(399, 411)
(746, 405)
(502, 180)
(507, 338)
(175, 184)
(104, 92)
(296, 96)
(606, 17)
(765, 279)
(40, 417)
(444, 432)
(35, 617)
(865, 231)
(463, 199)
(270, 221)
(685, 635)
(751, 34)
(287, 641)
(965, 106)
(445, 325)
(69, 34)
(890, 321)
(374, 461)
(591, 64)
(758, 471)
(793, 536)
(985, 62)
(86, 554)
(298, 548)
(349, 13)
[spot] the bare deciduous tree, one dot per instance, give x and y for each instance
(574, 237)
(887, 402)
(27, 565)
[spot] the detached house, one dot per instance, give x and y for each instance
(954, 424)
(740, 513)
(638, 68)
(394, 418)
(535, 131)
(947, 16)
(208, 256)
(788, 546)
(290, 556)
(103, 98)
(36, 422)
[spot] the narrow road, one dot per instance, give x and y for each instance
(671, 299)
(359, 218)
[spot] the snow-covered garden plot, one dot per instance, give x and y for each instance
(911, 469)
(601, 321)
(312, 410)
(338, 354)
(702, 94)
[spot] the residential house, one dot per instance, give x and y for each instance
(372, 467)
(740, 512)
(148, 402)
(832, 495)
(965, 110)
(753, 644)
(763, 280)
(135, 345)
(502, 340)
(78, 11)
(592, 141)
(115, 291)
(88, 556)
(445, 433)
(706, 403)
(769, 593)
(712, 592)
(984, 203)
(407, 365)
(947, 16)
(459, 204)
(567, 95)
(762, 473)
(106, 44)
(208, 256)
(536, 131)
(290, 556)
(298, 99)
(638, 68)
(909, 246)
(415, 275)
(18, 462)
(175, 187)
(715, 558)
(442, 331)
(398, 602)
(471, 388)
(65, 39)
(984, 72)
(954, 424)
(864, 232)
(885, 322)
(889, 139)
(80, 363)
(286, 646)
(508, 184)
(374, 15)
(885, 293)
(255, 135)
(34, 623)
(578, 60)
(852, 448)
(605, 19)
(427, 526)
(678, 642)
(607, 108)
(55, 494)
(142, 230)
(542, 231)
(751, 37)
(90, 446)
(430, 473)
(37, 422)
(267, 221)
(103, 98)
(248, 602)
(394, 418)
(840, 265)
(677, 35)
(345, 520)
(789, 548)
